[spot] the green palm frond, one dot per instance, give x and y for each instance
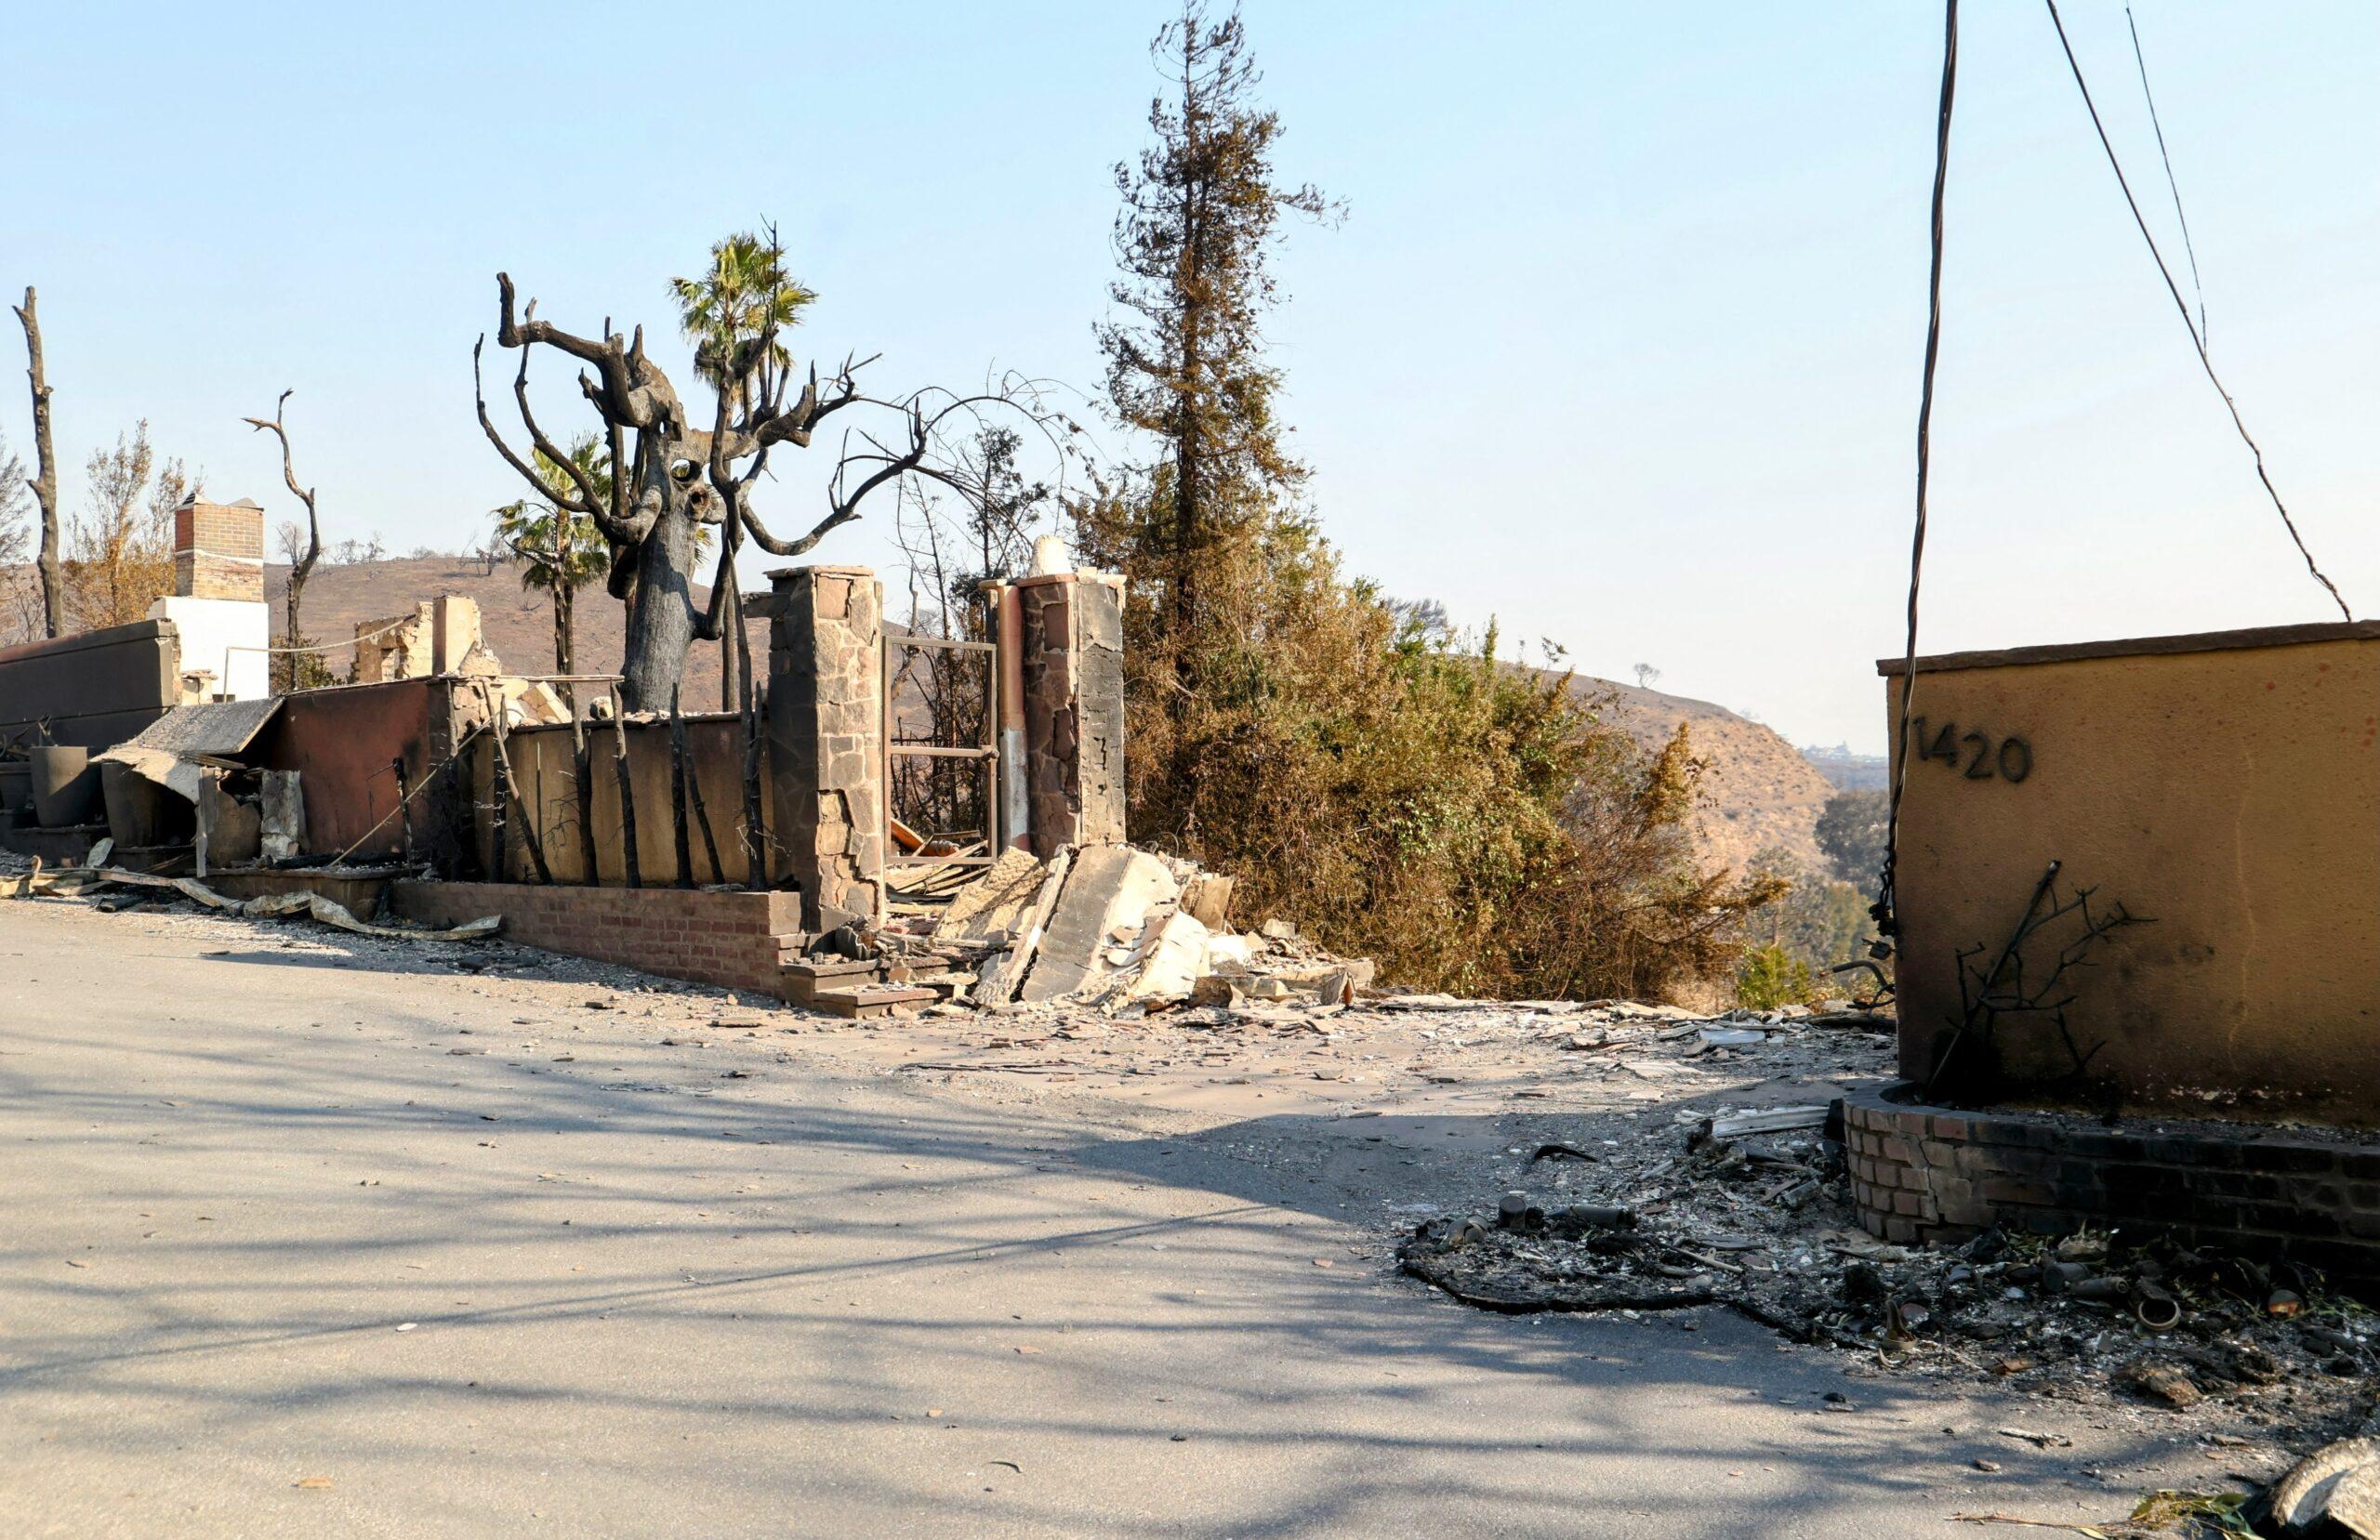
(558, 548)
(746, 293)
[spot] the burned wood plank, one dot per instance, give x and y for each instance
(582, 770)
(510, 794)
(681, 843)
(627, 794)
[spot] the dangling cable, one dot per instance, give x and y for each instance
(2197, 340)
(1883, 910)
(2198, 288)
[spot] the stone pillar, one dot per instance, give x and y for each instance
(825, 726)
(1074, 708)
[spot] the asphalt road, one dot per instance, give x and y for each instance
(301, 1240)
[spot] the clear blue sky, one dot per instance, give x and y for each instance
(1619, 345)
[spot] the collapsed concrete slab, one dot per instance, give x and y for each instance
(1114, 928)
(1107, 903)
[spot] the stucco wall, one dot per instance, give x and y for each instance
(2226, 790)
(228, 638)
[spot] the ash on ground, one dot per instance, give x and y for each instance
(1677, 1217)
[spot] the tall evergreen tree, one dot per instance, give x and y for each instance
(1186, 364)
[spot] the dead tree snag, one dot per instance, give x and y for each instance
(673, 477)
(45, 483)
(301, 564)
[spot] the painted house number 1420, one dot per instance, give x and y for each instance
(1984, 757)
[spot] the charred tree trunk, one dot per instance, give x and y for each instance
(661, 627)
(300, 567)
(45, 484)
(670, 477)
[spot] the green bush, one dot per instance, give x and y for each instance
(1772, 978)
(1401, 793)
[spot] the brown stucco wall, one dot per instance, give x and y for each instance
(2227, 789)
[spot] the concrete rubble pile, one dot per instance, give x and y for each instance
(1121, 931)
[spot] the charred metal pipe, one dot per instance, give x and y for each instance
(2111, 1290)
(2059, 1277)
(2153, 1307)
(1591, 1216)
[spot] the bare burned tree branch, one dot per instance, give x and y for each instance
(672, 478)
(1989, 995)
(300, 567)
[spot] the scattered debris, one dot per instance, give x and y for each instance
(1749, 1209)
(1122, 931)
(277, 905)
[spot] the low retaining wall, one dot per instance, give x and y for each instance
(734, 940)
(1923, 1174)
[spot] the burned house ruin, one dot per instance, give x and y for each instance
(441, 786)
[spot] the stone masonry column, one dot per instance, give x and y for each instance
(1074, 708)
(825, 727)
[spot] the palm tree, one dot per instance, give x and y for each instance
(746, 293)
(560, 552)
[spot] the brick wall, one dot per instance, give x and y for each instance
(736, 941)
(1923, 1174)
(219, 551)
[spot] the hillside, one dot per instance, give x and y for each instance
(518, 623)
(1762, 791)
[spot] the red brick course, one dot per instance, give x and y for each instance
(219, 551)
(1923, 1174)
(734, 940)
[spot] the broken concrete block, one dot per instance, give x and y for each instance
(1230, 951)
(1206, 898)
(1173, 961)
(1110, 885)
(994, 905)
(282, 811)
(1214, 990)
(232, 830)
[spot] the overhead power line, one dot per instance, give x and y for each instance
(2198, 288)
(2198, 340)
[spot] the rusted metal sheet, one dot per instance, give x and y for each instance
(347, 744)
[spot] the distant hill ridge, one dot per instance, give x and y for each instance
(1761, 793)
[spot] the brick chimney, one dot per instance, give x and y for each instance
(218, 550)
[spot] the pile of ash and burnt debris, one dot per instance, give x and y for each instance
(1118, 929)
(1753, 1212)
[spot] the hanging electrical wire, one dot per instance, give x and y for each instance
(1882, 909)
(2198, 340)
(2197, 289)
